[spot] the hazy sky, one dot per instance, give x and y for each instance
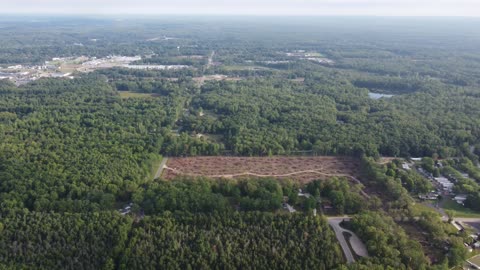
(248, 7)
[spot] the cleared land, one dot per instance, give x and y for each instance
(303, 169)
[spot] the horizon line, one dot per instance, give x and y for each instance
(233, 14)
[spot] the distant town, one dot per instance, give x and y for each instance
(66, 67)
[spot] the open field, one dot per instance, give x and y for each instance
(303, 169)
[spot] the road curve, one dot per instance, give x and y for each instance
(356, 243)
(334, 222)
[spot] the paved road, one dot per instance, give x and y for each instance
(335, 224)
(357, 245)
(161, 167)
(467, 219)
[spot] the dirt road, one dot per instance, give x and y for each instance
(210, 60)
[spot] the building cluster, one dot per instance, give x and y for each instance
(445, 184)
(61, 67)
(20, 74)
(309, 56)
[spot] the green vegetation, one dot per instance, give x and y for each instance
(126, 94)
(72, 151)
(75, 145)
(104, 240)
(240, 240)
(339, 194)
(439, 239)
(389, 244)
(206, 196)
(418, 208)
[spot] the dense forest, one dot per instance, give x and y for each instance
(75, 150)
(104, 240)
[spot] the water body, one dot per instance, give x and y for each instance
(378, 95)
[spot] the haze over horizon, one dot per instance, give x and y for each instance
(467, 8)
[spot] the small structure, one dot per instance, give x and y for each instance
(460, 199)
(429, 196)
(406, 166)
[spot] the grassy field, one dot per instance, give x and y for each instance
(127, 94)
(459, 210)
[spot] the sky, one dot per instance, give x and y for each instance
(247, 7)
